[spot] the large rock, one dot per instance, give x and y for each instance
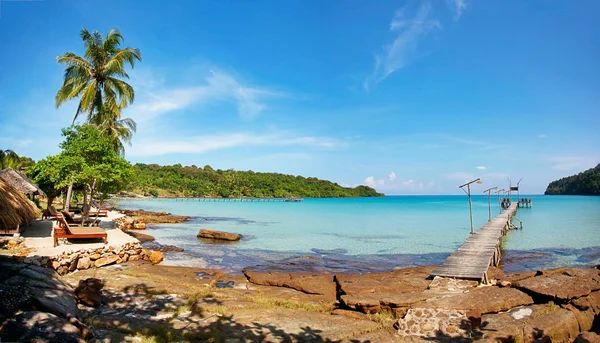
(162, 247)
(563, 284)
(310, 283)
(156, 257)
(482, 300)
(218, 235)
(88, 291)
(83, 262)
(142, 237)
(587, 337)
(554, 325)
(34, 326)
(104, 261)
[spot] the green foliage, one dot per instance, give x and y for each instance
(8, 159)
(586, 183)
(90, 159)
(96, 78)
(50, 174)
(206, 182)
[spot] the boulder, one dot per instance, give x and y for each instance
(563, 284)
(83, 262)
(35, 326)
(554, 325)
(139, 226)
(587, 337)
(104, 261)
(310, 283)
(156, 257)
(95, 256)
(218, 235)
(88, 291)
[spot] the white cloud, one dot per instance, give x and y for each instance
(576, 163)
(408, 25)
(459, 6)
(373, 183)
(217, 87)
(392, 176)
(202, 144)
(481, 167)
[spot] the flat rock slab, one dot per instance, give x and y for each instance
(310, 283)
(282, 325)
(403, 280)
(563, 284)
(483, 300)
(34, 326)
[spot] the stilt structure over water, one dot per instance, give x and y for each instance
(480, 251)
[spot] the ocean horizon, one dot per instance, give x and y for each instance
(374, 234)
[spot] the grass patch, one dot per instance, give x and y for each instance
(259, 300)
(385, 319)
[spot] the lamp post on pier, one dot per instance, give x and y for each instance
(488, 191)
(468, 192)
(498, 191)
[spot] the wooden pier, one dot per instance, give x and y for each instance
(242, 199)
(481, 250)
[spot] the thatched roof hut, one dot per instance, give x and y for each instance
(21, 182)
(15, 209)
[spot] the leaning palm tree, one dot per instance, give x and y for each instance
(119, 130)
(96, 78)
(8, 159)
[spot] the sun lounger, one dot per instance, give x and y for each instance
(78, 221)
(49, 213)
(64, 230)
(94, 211)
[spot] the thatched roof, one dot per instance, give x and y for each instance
(21, 182)
(15, 208)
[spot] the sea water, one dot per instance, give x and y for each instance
(375, 234)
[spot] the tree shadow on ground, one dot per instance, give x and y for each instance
(156, 315)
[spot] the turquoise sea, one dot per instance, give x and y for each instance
(374, 234)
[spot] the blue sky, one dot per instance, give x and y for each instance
(410, 97)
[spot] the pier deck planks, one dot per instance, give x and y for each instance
(472, 259)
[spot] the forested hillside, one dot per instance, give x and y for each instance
(156, 180)
(586, 183)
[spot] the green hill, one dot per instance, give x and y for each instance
(191, 181)
(586, 183)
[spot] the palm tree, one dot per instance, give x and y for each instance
(119, 130)
(8, 159)
(96, 78)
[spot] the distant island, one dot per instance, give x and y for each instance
(586, 183)
(192, 181)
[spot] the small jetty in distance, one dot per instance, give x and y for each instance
(242, 199)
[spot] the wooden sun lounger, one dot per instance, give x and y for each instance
(98, 212)
(49, 213)
(78, 221)
(63, 230)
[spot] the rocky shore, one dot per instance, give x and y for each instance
(138, 300)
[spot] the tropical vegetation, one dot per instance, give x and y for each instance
(88, 161)
(10, 159)
(193, 181)
(96, 79)
(586, 183)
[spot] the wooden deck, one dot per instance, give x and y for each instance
(482, 249)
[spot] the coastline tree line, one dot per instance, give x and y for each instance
(192, 181)
(585, 183)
